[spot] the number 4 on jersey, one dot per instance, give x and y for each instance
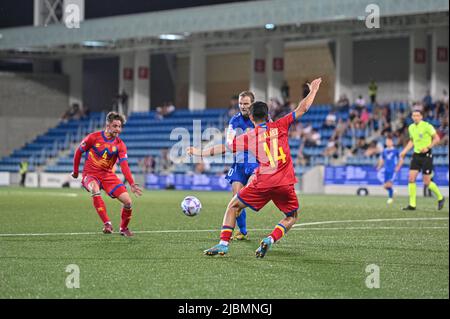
(278, 153)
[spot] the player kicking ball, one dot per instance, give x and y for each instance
(242, 170)
(390, 159)
(103, 149)
(274, 178)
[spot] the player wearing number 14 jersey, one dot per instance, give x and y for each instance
(274, 178)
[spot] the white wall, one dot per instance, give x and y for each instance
(29, 105)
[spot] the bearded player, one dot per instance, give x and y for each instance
(274, 178)
(103, 149)
(241, 172)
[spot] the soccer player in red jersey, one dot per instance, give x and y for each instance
(103, 149)
(274, 178)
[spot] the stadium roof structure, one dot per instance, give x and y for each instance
(223, 25)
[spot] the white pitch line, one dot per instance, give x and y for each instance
(298, 227)
(371, 220)
(41, 193)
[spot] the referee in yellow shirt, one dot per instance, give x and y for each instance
(423, 138)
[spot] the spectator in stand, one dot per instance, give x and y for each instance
(331, 150)
(387, 129)
(275, 108)
(343, 104)
(427, 102)
(340, 129)
(373, 149)
(417, 106)
(165, 164)
(148, 164)
(202, 167)
(360, 103)
(301, 158)
(306, 131)
(442, 106)
(314, 139)
(73, 113)
(285, 91)
(364, 117)
(165, 110)
(330, 121)
(373, 89)
(85, 111)
(442, 131)
(360, 148)
(296, 131)
(386, 113)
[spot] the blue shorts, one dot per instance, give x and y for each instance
(240, 172)
(389, 176)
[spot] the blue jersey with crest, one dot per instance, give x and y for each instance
(237, 126)
(390, 157)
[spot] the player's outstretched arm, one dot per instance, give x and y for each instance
(211, 151)
(306, 103)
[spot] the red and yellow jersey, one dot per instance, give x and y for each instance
(102, 153)
(269, 143)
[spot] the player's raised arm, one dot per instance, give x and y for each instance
(306, 103)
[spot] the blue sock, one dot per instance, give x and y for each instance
(242, 222)
(390, 192)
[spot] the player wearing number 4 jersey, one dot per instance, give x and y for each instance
(274, 178)
(103, 149)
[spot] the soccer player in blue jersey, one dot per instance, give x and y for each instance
(390, 159)
(245, 162)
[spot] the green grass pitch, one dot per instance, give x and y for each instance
(325, 258)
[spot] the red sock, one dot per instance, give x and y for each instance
(99, 205)
(126, 217)
(226, 233)
(278, 232)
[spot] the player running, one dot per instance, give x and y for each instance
(423, 138)
(244, 164)
(274, 178)
(390, 160)
(103, 149)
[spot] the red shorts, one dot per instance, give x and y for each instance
(110, 183)
(283, 197)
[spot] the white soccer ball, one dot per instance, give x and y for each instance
(191, 206)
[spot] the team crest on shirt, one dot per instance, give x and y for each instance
(97, 145)
(114, 148)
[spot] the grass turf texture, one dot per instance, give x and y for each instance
(313, 261)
